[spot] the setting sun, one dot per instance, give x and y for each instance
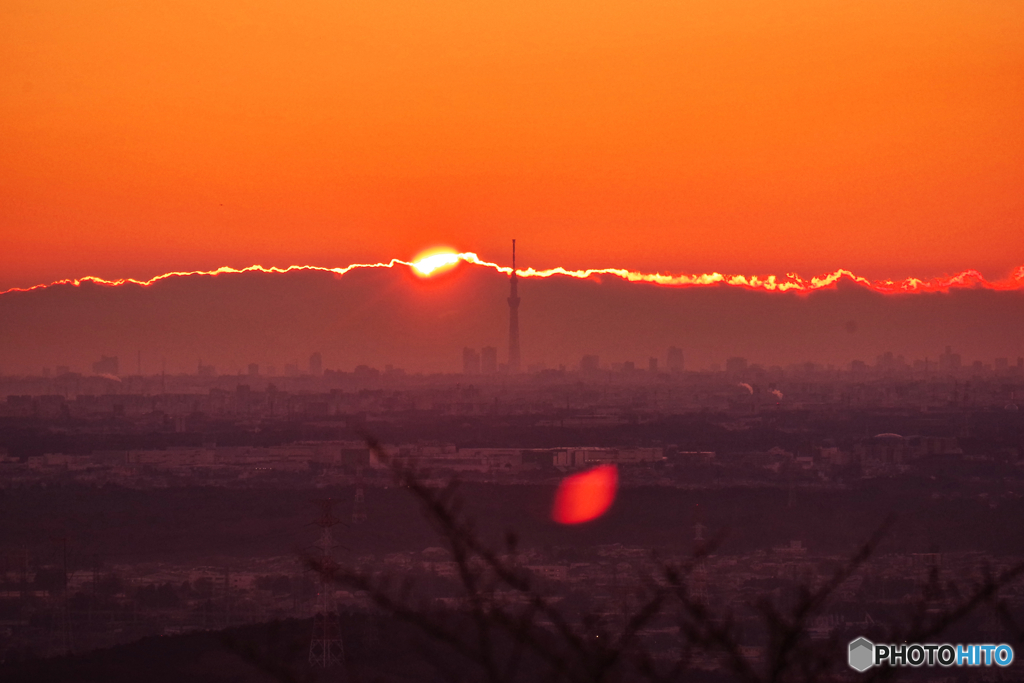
(434, 262)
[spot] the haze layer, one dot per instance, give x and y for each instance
(392, 316)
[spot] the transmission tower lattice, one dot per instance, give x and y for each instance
(699, 580)
(61, 644)
(359, 504)
(325, 647)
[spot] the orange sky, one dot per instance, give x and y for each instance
(738, 136)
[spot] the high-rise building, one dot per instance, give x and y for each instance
(489, 360)
(470, 361)
(316, 364)
(949, 361)
(652, 365)
(675, 359)
(736, 364)
(254, 369)
(106, 365)
(589, 363)
(513, 317)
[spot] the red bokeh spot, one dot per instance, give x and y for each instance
(585, 496)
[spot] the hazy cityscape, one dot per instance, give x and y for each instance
(161, 505)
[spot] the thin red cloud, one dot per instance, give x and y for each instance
(791, 282)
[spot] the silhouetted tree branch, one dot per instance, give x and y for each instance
(529, 638)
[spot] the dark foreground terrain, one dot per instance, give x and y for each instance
(933, 514)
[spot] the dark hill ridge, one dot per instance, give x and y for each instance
(389, 316)
(256, 653)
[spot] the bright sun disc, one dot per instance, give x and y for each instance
(429, 264)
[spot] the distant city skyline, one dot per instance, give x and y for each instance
(381, 316)
(483, 362)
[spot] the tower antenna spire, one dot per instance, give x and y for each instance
(513, 317)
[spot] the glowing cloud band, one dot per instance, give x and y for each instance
(791, 282)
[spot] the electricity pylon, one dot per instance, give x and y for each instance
(325, 646)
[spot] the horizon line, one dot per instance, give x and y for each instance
(427, 266)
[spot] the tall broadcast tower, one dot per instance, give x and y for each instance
(513, 318)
